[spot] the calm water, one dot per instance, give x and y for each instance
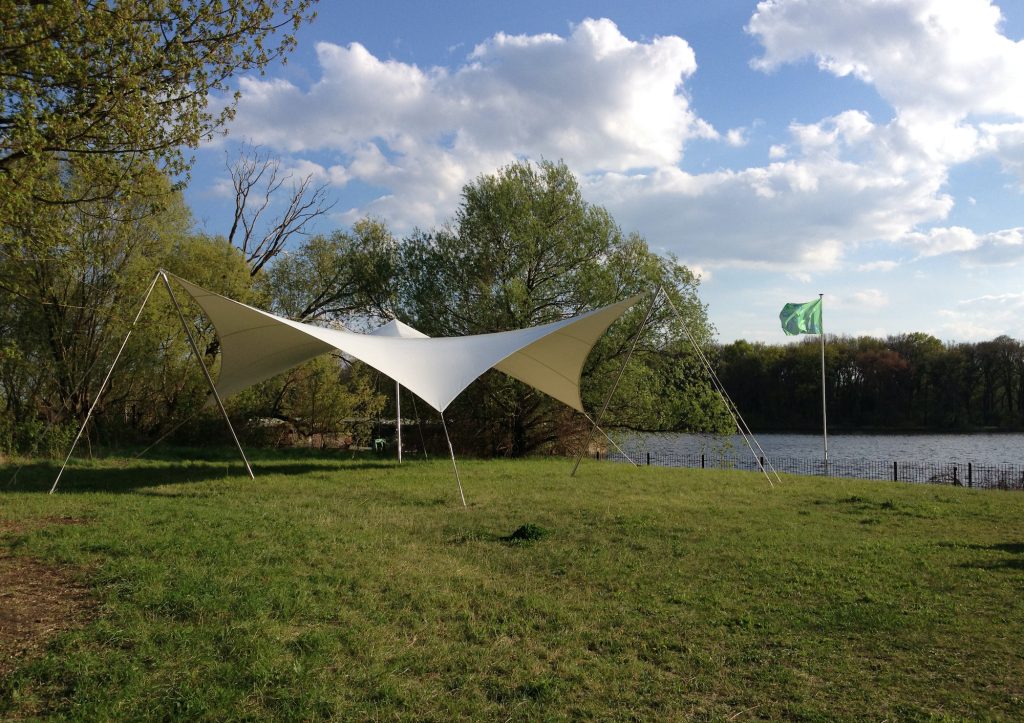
(991, 449)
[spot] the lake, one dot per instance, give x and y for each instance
(981, 449)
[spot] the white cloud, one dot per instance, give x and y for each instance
(925, 57)
(616, 111)
(879, 266)
(937, 241)
(1013, 300)
(736, 137)
(975, 324)
(996, 248)
(872, 299)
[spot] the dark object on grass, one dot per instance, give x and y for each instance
(527, 533)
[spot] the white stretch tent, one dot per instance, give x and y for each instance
(256, 345)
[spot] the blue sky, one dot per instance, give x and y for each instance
(870, 150)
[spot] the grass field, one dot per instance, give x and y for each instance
(360, 590)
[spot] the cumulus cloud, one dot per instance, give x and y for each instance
(944, 58)
(838, 189)
(1002, 247)
(872, 299)
(943, 65)
(617, 111)
(595, 98)
(878, 266)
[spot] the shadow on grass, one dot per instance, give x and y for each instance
(1013, 563)
(131, 476)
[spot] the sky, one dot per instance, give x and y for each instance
(868, 150)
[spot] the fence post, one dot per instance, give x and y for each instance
(702, 460)
(648, 459)
(970, 481)
(895, 474)
(597, 455)
(956, 480)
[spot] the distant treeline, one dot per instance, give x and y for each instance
(908, 382)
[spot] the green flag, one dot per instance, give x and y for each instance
(801, 318)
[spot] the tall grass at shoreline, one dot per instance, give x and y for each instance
(361, 589)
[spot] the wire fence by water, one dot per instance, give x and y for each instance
(966, 474)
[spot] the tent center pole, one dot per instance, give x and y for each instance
(398, 419)
(206, 372)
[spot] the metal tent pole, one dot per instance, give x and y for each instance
(824, 411)
(452, 451)
(106, 379)
(398, 418)
(608, 399)
(206, 372)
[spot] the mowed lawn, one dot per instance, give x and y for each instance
(357, 589)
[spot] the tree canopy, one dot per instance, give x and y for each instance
(525, 248)
(114, 84)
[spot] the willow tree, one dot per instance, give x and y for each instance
(525, 248)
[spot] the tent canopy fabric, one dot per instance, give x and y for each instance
(256, 345)
(397, 328)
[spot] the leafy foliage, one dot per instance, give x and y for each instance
(112, 87)
(524, 249)
(907, 381)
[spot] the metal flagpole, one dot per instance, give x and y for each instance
(398, 418)
(106, 379)
(824, 412)
(452, 451)
(608, 399)
(206, 372)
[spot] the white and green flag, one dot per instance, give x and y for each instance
(801, 318)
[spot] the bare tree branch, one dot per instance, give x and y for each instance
(257, 180)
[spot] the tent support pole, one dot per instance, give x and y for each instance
(419, 427)
(608, 399)
(206, 372)
(730, 405)
(106, 379)
(452, 452)
(398, 419)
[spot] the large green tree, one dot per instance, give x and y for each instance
(525, 248)
(109, 84)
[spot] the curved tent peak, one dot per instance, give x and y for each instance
(256, 345)
(399, 329)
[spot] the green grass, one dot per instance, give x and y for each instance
(360, 590)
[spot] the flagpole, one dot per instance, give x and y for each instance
(824, 411)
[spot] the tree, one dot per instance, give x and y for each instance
(525, 248)
(257, 180)
(336, 277)
(116, 86)
(69, 289)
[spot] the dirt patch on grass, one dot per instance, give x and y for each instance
(37, 600)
